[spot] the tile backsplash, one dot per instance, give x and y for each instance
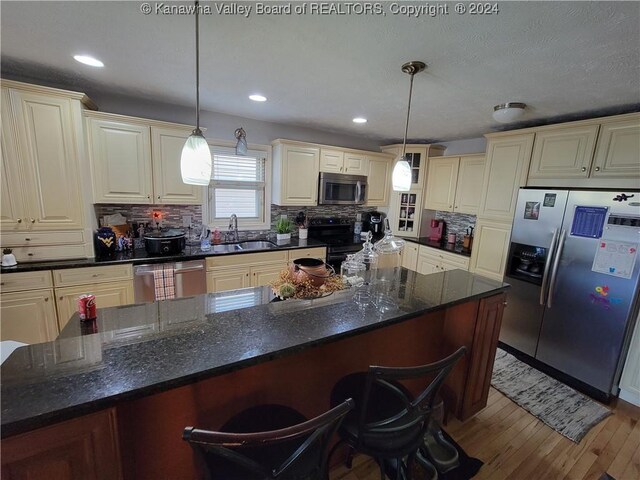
(172, 214)
(453, 223)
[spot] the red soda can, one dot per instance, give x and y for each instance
(87, 307)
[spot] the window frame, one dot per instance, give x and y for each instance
(243, 223)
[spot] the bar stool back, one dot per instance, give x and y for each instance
(288, 452)
(389, 423)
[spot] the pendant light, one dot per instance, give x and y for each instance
(401, 177)
(195, 162)
(241, 145)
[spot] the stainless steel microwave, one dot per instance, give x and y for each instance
(339, 189)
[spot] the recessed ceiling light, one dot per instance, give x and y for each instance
(359, 120)
(258, 98)
(87, 60)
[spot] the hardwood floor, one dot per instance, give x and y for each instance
(515, 445)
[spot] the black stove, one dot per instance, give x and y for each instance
(337, 233)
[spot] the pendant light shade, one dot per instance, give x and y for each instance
(195, 161)
(401, 176)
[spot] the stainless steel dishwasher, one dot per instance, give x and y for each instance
(189, 279)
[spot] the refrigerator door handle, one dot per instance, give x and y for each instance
(556, 264)
(547, 267)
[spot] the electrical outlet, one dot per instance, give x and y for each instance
(186, 220)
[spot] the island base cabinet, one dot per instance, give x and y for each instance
(83, 448)
(28, 317)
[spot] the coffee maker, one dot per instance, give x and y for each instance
(436, 230)
(374, 222)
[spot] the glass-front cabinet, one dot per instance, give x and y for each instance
(405, 208)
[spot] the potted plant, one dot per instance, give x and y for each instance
(302, 221)
(283, 229)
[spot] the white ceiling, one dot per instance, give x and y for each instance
(564, 59)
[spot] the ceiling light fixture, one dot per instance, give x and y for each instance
(359, 120)
(258, 98)
(195, 161)
(87, 60)
(508, 112)
(401, 177)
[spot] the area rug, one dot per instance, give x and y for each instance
(567, 411)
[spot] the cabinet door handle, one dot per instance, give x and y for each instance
(27, 239)
(33, 220)
(19, 220)
(149, 197)
(30, 254)
(158, 197)
(95, 275)
(597, 169)
(46, 299)
(61, 298)
(584, 169)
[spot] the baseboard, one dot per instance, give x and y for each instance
(629, 397)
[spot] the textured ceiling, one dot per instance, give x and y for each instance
(564, 59)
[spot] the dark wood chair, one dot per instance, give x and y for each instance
(268, 442)
(388, 422)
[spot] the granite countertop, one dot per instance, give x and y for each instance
(140, 255)
(442, 245)
(143, 349)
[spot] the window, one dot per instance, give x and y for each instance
(239, 185)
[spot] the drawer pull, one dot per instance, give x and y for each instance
(30, 254)
(27, 239)
(33, 220)
(1, 283)
(46, 299)
(95, 275)
(61, 298)
(584, 169)
(597, 169)
(19, 220)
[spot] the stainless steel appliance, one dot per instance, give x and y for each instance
(164, 242)
(574, 271)
(338, 234)
(374, 223)
(189, 280)
(339, 189)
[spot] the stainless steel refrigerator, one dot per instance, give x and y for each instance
(574, 269)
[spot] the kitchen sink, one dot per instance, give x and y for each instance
(256, 245)
(242, 246)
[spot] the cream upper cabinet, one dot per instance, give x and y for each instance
(505, 172)
(12, 205)
(490, 247)
(469, 187)
(378, 181)
(46, 131)
(295, 174)
(442, 178)
(29, 316)
(166, 149)
(135, 160)
(618, 151)
(331, 161)
(121, 161)
(355, 164)
(563, 152)
(454, 184)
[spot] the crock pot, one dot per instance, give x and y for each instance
(164, 242)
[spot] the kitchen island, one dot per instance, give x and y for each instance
(116, 394)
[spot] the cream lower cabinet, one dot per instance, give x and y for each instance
(410, 256)
(230, 272)
(433, 260)
(110, 294)
(28, 307)
(28, 316)
(135, 160)
(490, 249)
(295, 174)
(112, 285)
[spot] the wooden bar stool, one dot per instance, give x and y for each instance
(388, 422)
(268, 442)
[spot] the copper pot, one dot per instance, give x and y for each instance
(313, 270)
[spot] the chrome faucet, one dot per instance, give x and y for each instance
(232, 233)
